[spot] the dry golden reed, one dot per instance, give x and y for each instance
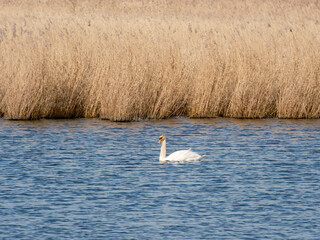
(135, 59)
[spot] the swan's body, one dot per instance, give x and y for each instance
(178, 156)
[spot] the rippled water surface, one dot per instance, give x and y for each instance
(92, 179)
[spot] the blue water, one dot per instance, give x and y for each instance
(93, 179)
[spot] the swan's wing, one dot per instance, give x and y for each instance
(178, 155)
(184, 156)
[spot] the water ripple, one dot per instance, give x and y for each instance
(91, 179)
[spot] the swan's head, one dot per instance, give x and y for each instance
(162, 138)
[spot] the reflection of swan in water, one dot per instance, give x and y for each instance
(178, 156)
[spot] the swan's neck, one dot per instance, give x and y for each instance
(163, 150)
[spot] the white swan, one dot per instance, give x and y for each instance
(178, 156)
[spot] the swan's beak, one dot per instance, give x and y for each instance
(160, 140)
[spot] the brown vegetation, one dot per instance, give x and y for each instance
(131, 59)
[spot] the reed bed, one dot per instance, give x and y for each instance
(144, 59)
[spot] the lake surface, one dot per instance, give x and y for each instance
(94, 179)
